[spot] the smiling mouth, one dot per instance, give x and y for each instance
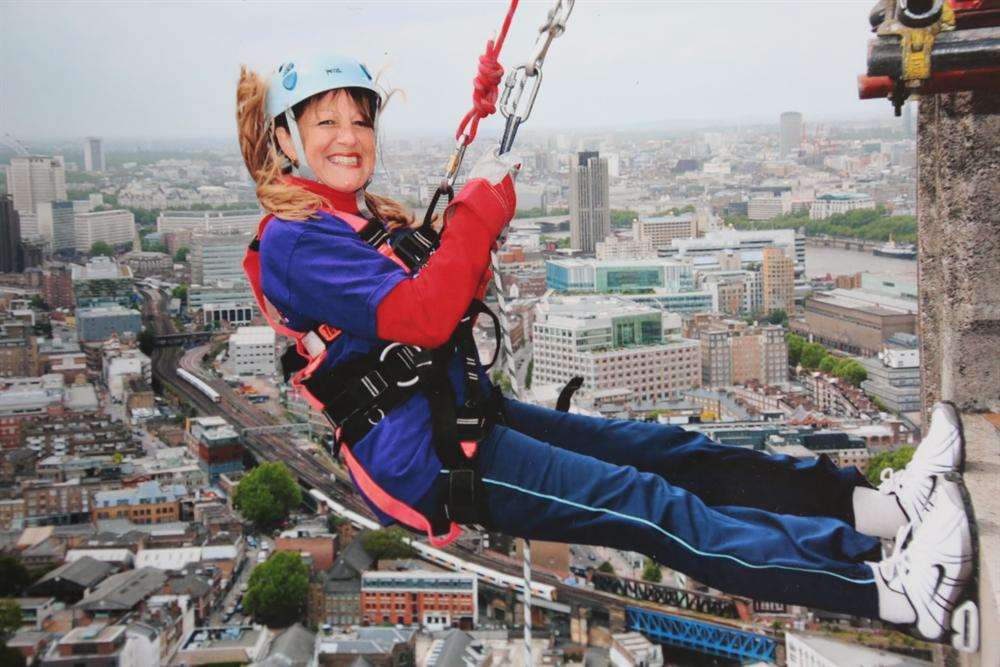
(345, 160)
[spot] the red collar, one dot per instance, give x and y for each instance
(339, 201)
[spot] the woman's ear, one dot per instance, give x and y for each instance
(285, 143)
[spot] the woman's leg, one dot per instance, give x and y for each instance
(538, 491)
(719, 475)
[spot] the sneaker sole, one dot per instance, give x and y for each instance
(961, 435)
(966, 613)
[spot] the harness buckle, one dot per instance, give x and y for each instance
(327, 333)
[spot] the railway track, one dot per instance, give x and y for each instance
(337, 485)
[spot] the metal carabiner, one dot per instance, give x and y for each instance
(555, 25)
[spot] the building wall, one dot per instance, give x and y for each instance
(778, 281)
(116, 228)
(590, 219)
(853, 330)
(34, 179)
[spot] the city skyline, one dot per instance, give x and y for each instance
(196, 54)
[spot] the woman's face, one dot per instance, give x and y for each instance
(339, 142)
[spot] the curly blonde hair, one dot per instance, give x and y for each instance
(267, 166)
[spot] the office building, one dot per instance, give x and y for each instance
(662, 229)
(116, 228)
(11, 260)
(618, 275)
(93, 155)
(218, 257)
(815, 650)
(857, 321)
(733, 352)
(833, 203)
(777, 280)
(102, 282)
(613, 343)
(747, 243)
(216, 445)
(172, 222)
(767, 205)
(96, 324)
(34, 179)
(434, 600)
(791, 133)
(589, 213)
(615, 248)
(57, 225)
(251, 351)
(149, 502)
(894, 374)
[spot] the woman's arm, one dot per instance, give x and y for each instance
(425, 309)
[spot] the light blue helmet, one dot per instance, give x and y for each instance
(298, 80)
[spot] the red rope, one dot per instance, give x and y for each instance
(486, 83)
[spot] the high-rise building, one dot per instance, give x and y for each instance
(613, 344)
(733, 352)
(116, 228)
(56, 224)
(208, 221)
(34, 179)
(93, 154)
(778, 280)
(218, 257)
(791, 132)
(662, 229)
(10, 237)
(589, 215)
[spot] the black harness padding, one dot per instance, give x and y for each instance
(566, 395)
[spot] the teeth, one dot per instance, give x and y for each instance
(340, 159)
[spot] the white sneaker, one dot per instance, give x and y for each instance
(942, 451)
(929, 581)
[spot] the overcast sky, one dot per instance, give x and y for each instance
(168, 69)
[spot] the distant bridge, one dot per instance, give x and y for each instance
(700, 636)
(704, 603)
(860, 245)
(184, 339)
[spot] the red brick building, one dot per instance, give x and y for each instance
(434, 600)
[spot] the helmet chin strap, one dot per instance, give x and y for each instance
(303, 168)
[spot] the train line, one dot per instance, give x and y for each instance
(329, 485)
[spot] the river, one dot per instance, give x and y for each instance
(837, 261)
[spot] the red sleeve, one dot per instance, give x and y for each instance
(425, 309)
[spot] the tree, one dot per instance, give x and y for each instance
(652, 572)
(812, 355)
(527, 375)
(829, 364)
(147, 341)
(852, 371)
(14, 576)
(267, 494)
(11, 657)
(101, 248)
(778, 316)
(606, 567)
(10, 618)
(795, 345)
(276, 592)
(334, 522)
(896, 459)
(38, 303)
(387, 543)
(179, 292)
(181, 255)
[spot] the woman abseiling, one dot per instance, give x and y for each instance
(384, 347)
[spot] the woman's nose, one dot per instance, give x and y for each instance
(347, 135)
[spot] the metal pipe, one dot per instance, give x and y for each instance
(873, 87)
(959, 50)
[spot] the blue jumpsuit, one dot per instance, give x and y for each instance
(766, 527)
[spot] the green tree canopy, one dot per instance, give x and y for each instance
(778, 316)
(852, 371)
(896, 459)
(828, 364)
(387, 543)
(652, 571)
(181, 255)
(267, 494)
(10, 618)
(812, 355)
(14, 576)
(606, 567)
(101, 248)
(179, 292)
(276, 592)
(795, 345)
